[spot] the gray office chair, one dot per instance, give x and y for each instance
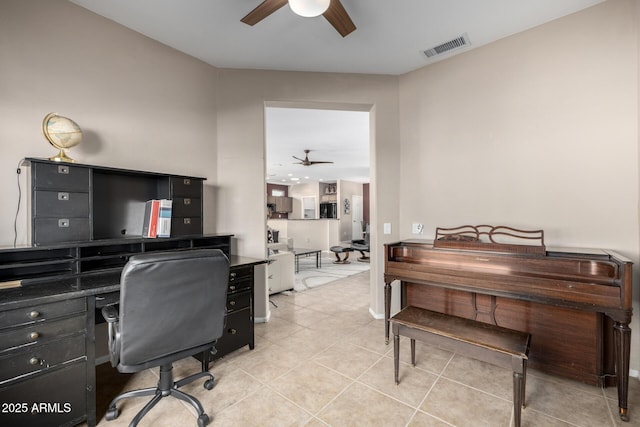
(172, 306)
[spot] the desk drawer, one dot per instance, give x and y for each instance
(186, 207)
(61, 204)
(41, 333)
(186, 187)
(42, 357)
(240, 278)
(41, 312)
(238, 301)
(187, 226)
(237, 334)
(62, 390)
(57, 176)
(60, 229)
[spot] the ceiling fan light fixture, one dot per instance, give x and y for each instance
(309, 8)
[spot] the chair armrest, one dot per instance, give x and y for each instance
(111, 315)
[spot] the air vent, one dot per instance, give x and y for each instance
(456, 43)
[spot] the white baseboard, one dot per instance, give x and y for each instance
(262, 319)
(634, 373)
(375, 315)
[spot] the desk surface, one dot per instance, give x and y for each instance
(82, 285)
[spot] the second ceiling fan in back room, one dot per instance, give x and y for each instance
(332, 10)
(306, 161)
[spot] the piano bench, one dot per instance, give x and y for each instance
(489, 343)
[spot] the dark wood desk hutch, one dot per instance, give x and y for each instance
(576, 304)
(86, 223)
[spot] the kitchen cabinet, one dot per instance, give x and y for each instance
(280, 204)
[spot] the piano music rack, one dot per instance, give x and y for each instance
(490, 238)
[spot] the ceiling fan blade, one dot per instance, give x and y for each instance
(317, 163)
(339, 18)
(298, 158)
(264, 9)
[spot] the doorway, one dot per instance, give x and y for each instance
(311, 148)
(357, 218)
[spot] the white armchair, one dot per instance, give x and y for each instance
(285, 244)
(280, 272)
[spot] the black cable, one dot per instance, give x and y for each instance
(15, 221)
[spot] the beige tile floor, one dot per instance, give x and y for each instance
(321, 361)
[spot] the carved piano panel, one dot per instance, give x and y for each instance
(564, 341)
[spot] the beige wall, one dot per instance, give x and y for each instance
(297, 192)
(538, 130)
(141, 105)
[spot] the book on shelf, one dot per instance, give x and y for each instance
(150, 223)
(157, 218)
(164, 218)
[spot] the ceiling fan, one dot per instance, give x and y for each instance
(306, 161)
(335, 14)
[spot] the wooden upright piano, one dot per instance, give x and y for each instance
(576, 304)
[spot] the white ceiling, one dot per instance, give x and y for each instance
(341, 137)
(390, 38)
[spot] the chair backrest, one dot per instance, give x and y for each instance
(171, 302)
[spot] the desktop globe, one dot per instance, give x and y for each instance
(63, 133)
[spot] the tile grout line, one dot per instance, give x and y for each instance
(426, 395)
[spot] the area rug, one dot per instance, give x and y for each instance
(309, 276)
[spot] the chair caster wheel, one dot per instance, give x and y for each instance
(203, 420)
(208, 384)
(112, 414)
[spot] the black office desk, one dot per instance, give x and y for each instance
(47, 325)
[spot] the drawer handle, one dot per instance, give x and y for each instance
(34, 335)
(63, 170)
(186, 221)
(232, 303)
(232, 276)
(187, 202)
(232, 288)
(63, 196)
(63, 223)
(186, 181)
(34, 314)
(233, 331)
(34, 361)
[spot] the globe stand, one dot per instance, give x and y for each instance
(62, 157)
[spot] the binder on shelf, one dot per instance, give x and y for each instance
(164, 218)
(150, 224)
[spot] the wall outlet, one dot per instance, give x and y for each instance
(417, 228)
(387, 228)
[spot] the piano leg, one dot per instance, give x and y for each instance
(387, 310)
(622, 347)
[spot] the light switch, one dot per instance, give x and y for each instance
(387, 228)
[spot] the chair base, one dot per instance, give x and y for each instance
(363, 257)
(166, 387)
